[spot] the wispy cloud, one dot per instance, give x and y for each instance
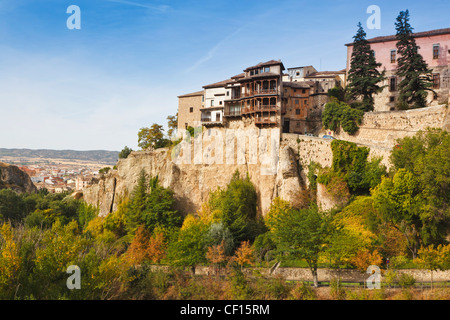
(212, 51)
(160, 8)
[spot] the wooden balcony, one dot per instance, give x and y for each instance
(208, 122)
(252, 93)
(263, 108)
(234, 113)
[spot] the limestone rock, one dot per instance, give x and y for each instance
(14, 178)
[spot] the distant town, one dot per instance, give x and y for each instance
(63, 173)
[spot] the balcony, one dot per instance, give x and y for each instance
(263, 108)
(232, 113)
(208, 122)
(252, 93)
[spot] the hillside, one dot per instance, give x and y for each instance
(98, 156)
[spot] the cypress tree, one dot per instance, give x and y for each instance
(411, 68)
(363, 75)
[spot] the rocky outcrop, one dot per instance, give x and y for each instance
(11, 177)
(192, 183)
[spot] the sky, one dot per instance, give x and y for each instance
(93, 88)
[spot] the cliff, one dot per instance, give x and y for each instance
(276, 165)
(13, 178)
(192, 182)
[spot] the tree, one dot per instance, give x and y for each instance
(152, 137)
(411, 67)
(303, 233)
(244, 254)
(238, 204)
(397, 202)
(426, 157)
(172, 123)
(189, 247)
(434, 259)
(125, 152)
(363, 76)
(338, 113)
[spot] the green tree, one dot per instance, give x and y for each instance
(426, 157)
(363, 76)
(398, 200)
(411, 67)
(152, 137)
(339, 114)
(172, 123)
(238, 205)
(125, 152)
(190, 245)
(302, 233)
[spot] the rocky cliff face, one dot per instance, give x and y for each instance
(193, 182)
(14, 178)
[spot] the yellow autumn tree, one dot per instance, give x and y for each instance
(9, 256)
(244, 255)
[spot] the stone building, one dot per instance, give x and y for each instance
(434, 46)
(259, 97)
(189, 106)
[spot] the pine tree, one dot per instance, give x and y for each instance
(412, 68)
(363, 75)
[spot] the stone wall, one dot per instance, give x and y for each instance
(382, 129)
(326, 274)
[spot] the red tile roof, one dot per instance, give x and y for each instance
(265, 64)
(416, 35)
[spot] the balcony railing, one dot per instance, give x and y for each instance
(232, 113)
(260, 108)
(252, 93)
(210, 122)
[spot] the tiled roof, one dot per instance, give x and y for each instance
(260, 75)
(193, 94)
(265, 64)
(416, 35)
(219, 84)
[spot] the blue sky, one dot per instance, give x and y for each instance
(94, 88)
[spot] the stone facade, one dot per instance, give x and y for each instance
(189, 106)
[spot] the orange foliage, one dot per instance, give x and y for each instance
(244, 254)
(365, 258)
(146, 247)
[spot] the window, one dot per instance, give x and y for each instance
(303, 91)
(297, 73)
(393, 84)
(436, 81)
(297, 101)
(393, 56)
(191, 109)
(186, 125)
(252, 72)
(212, 103)
(436, 51)
(203, 98)
(295, 90)
(220, 102)
(266, 69)
(297, 111)
(391, 99)
(228, 93)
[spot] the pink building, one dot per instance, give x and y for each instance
(434, 46)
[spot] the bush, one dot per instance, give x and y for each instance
(339, 114)
(303, 291)
(406, 280)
